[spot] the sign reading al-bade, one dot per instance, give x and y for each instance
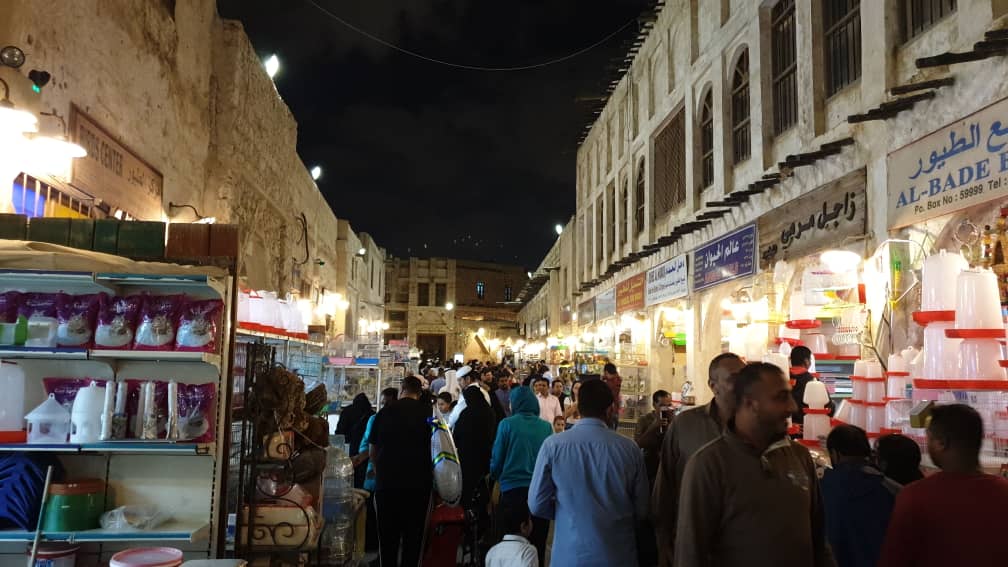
(667, 281)
(727, 258)
(959, 166)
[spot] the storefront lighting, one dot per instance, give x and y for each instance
(552, 341)
(449, 306)
(384, 326)
(305, 307)
(840, 261)
(272, 64)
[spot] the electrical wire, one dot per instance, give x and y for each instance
(405, 51)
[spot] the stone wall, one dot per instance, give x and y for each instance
(185, 91)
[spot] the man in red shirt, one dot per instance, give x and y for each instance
(956, 516)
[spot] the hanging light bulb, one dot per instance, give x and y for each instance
(12, 120)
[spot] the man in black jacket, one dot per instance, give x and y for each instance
(801, 361)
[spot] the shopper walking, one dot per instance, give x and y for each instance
(801, 361)
(466, 380)
(400, 453)
(571, 415)
(750, 498)
(549, 406)
(648, 436)
(388, 396)
(488, 382)
(557, 389)
(437, 382)
(857, 498)
(592, 482)
(512, 463)
(503, 392)
(686, 434)
(615, 382)
(352, 423)
(899, 458)
(955, 516)
(474, 438)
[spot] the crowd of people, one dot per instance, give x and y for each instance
(721, 484)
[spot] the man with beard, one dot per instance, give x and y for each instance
(503, 392)
(751, 498)
(487, 382)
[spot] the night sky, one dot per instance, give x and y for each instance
(433, 160)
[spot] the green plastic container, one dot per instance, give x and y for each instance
(74, 505)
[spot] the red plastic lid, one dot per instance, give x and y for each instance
(790, 341)
(967, 385)
(812, 411)
(879, 379)
(835, 422)
(1003, 363)
(871, 435)
(147, 557)
(856, 378)
(848, 357)
(896, 374)
(13, 436)
(855, 402)
(824, 356)
(922, 318)
(890, 431)
(794, 430)
(975, 333)
(803, 324)
(889, 399)
(876, 404)
(810, 443)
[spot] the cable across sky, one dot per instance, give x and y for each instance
(423, 57)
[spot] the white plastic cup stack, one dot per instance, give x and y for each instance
(938, 280)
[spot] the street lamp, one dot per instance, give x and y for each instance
(559, 229)
(316, 173)
(449, 306)
(272, 65)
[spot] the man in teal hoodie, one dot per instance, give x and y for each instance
(512, 462)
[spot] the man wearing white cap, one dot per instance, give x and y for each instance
(464, 375)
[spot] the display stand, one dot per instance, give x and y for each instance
(635, 397)
(183, 480)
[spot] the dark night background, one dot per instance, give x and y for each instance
(433, 160)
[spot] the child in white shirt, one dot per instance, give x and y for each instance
(515, 550)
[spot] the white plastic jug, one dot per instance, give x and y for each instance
(85, 418)
(12, 381)
(816, 396)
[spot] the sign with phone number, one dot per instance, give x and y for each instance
(962, 165)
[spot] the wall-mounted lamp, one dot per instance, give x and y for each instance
(200, 219)
(362, 252)
(449, 306)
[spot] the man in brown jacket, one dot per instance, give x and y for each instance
(688, 432)
(751, 498)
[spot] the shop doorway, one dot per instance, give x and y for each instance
(432, 346)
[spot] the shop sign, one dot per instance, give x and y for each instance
(730, 257)
(817, 220)
(630, 294)
(667, 281)
(962, 165)
(605, 304)
(112, 172)
(586, 312)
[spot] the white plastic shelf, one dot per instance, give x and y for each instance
(175, 282)
(175, 530)
(115, 447)
(39, 353)
(45, 353)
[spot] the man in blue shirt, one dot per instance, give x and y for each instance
(602, 489)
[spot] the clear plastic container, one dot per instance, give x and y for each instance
(875, 417)
(876, 390)
(858, 414)
(337, 484)
(12, 384)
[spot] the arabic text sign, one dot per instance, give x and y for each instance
(959, 166)
(630, 294)
(605, 304)
(113, 173)
(729, 257)
(667, 281)
(819, 219)
(586, 312)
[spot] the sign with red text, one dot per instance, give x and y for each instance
(962, 165)
(630, 294)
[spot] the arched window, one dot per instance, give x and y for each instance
(707, 139)
(639, 198)
(624, 214)
(784, 65)
(740, 109)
